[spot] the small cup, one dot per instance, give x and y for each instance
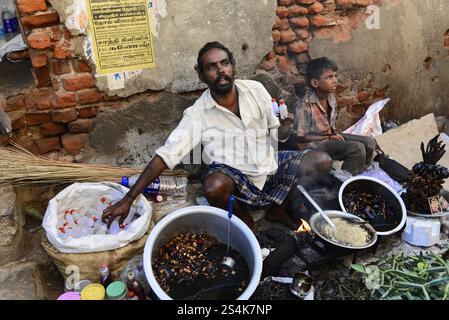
(228, 262)
(302, 285)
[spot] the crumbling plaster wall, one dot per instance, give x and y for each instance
(181, 28)
(407, 56)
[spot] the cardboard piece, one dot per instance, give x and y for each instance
(403, 143)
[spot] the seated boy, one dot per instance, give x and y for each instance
(315, 116)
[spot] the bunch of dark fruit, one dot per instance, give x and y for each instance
(427, 178)
(372, 208)
(184, 258)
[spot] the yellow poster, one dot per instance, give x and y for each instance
(120, 34)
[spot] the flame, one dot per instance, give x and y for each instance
(304, 227)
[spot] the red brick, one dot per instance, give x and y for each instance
(39, 40)
(56, 33)
(305, 1)
(78, 82)
(39, 99)
(282, 12)
(298, 47)
(341, 89)
(15, 103)
(302, 33)
(87, 112)
(319, 21)
(38, 60)
(37, 118)
(380, 93)
(268, 64)
(288, 36)
(363, 96)
(61, 67)
(31, 6)
(285, 2)
(284, 63)
(317, 7)
(295, 11)
(90, 96)
(73, 143)
(344, 101)
(53, 129)
(284, 24)
(42, 77)
(40, 21)
(67, 34)
(446, 42)
(81, 126)
(281, 50)
(19, 123)
(344, 4)
(64, 116)
(62, 49)
(277, 23)
(276, 35)
(46, 145)
(64, 99)
(81, 66)
(300, 22)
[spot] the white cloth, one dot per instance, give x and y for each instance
(244, 144)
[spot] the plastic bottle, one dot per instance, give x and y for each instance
(105, 276)
(153, 188)
(9, 21)
(275, 107)
(134, 286)
(283, 110)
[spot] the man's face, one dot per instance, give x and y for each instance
(218, 71)
(327, 82)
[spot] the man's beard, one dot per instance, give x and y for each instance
(218, 89)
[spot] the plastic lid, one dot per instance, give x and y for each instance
(93, 291)
(273, 100)
(282, 101)
(70, 296)
(116, 290)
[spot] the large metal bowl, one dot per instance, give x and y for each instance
(317, 222)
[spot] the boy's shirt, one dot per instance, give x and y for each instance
(312, 119)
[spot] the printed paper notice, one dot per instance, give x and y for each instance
(121, 35)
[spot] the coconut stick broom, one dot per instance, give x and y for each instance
(18, 166)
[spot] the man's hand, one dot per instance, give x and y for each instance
(337, 137)
(288, 121)
(120, 209)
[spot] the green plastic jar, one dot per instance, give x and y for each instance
(117, 291)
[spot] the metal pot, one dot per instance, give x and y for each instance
(317, 222)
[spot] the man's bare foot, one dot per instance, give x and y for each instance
(277, 214)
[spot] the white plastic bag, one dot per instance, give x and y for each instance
(369, 125)
(84, 197)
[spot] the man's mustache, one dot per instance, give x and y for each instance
(221, 77)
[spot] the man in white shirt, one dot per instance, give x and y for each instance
(234, 122)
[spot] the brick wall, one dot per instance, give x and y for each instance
(298, 22)
(56, 114)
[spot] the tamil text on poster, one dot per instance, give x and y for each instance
(121, 36)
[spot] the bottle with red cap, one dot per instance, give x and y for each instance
(283, 110)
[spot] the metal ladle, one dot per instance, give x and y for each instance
(316, 206)
(229, 262)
